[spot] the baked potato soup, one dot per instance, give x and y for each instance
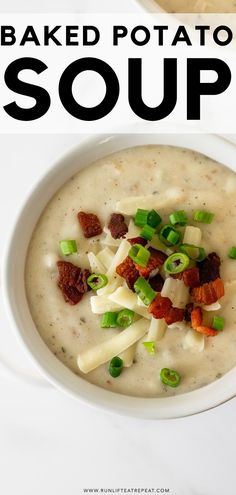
(131, 272)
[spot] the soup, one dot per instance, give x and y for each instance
(168, 180)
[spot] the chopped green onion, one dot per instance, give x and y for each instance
(147, 232)
(145, 217)
(203, 216)
(97, 281)
(116, 366)
(176, 263)
(169, 235)
(193, 252)
(141, 217)
(170, 377)
(125, 318)
(178, 217)
(144, 291)
(68, 247)
(232, 253)
(139, 254)
(153, 219)
(150, 347)
(109, 320)
(218, 323)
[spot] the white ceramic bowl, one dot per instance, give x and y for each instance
(15, 297)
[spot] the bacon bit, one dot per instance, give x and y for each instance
(208, 293)
(219, 287)
(137, 240)
(90, 224)
(188, 310)
(72, 281)
(160, 307)
(71, 295)
(117, 226)
(156, 260)
(209, 332)
(127, 270)
(156, 282)
(68, 273)
(209, 268)
(174, 315)
(81, 283)
(191, 277)
(196, 317)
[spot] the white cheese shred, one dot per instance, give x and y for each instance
(101, 304)
(100, 354)
(127, 356)
(129, 206)
(156, 330)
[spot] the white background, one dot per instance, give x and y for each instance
(50, 444)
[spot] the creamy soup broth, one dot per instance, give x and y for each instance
(195, 6)
(68, 330)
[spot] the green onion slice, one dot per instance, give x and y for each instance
(68, 247)
(109, 320)
(193, 252)
(218, 323)
(141, 217)
(116, 366)
(170, 377)
(232, 253)
(169, 235)
(178, 218)
(203, 216)
(147, 232)
(150, 347)
(144, 291)
(145, 217)
(125, 318)
(97, 281)
(139, 254)
(153, 219)
(176, 263)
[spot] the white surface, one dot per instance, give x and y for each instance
(51, 445)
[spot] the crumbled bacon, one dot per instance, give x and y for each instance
(156, 260)
(174, 315)
(127, 270)
(208, 293)
(209, 268)
(188, 310)
(90, 224)
(209, 332)
(156, 282)
(117, 226)
(72, 281)
(68, 273)
(191, 277)
(71, 294)
(196, 317)
(160, 307)
(137, 240)
(81, 283)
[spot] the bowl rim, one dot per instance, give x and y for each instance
(49, 366)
